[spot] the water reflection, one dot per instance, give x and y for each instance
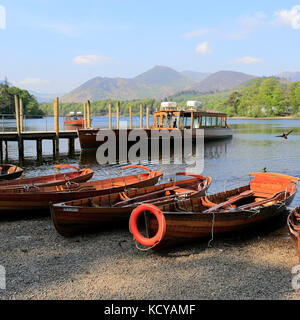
(253, 147)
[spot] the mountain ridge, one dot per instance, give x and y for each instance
(158, 82)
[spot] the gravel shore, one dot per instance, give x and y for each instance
(40, 264)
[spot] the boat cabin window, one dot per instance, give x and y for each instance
(208, 121)
(167, 120)
(213, 121)
(196, 122)
(187, 122)
(157, 121)
(223, 122)
(176, 121)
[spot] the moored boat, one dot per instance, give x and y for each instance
(32, 197)
(169, 119)
(178, 222)
(78, 176)
(10, 172)
(293, 223)
(70, 218)
(74, 121)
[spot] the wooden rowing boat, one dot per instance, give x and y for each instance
(10, 172)
(266, 196)
(85, 215)
(32, 197)
(293, 223)
(79, 175)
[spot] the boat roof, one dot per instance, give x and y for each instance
(208, 113)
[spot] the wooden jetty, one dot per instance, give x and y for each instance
(20, 135)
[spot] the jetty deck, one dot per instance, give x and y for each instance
(37, 136)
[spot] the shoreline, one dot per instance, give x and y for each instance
(265, 118)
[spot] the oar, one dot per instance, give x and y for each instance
(276, 197)
(141, 198)
(243, 195)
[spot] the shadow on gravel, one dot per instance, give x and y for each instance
(110, 267)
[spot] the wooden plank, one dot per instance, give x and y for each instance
(243, 195)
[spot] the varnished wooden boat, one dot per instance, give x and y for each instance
(10, 172)
(78, 176)
(83, 215)
(31, 198)
(293, 223)
(266, 196)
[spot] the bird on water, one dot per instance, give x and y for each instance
(285, 135)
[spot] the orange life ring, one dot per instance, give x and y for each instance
(161, 225)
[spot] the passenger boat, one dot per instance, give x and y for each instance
(10, 172)
(88, 214)
(293, 223)
(178, 222)
(169, 119)
(74, 121)
(79, 175)
(32, 197)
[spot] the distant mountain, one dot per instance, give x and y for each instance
(221, 81)
(45, 97)
(291, 76)
(157, 83)
(196, 76)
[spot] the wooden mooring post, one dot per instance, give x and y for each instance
(5, 150)
(130, 116)
(141, 117)
(56, 128)
(20, 140)
(118, 115)
(84, 115)
(109, 117)
(21, 115)
(148, 123)
(88, 114)
(39, 149)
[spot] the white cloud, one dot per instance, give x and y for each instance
(247, 60)
(203, 48)
(197, 33)
(289, 17)
(91, 60)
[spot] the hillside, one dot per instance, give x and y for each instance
(156, 83)
(196, 76)
(221, 81)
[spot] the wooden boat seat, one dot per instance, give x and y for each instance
(243, 195)
(265, 202)
(183, 191)
(263, 195)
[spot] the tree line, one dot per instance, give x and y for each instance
(268, 97)
(261, 97)
(100, 108)
(7, 101)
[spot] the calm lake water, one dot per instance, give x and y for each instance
(253, 147)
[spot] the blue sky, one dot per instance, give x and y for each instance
(54, 46)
